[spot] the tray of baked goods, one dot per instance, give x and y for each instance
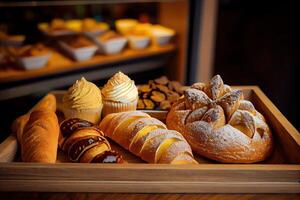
(212, 138)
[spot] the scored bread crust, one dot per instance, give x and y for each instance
(146, 137)
(219, 124)
(39, 140)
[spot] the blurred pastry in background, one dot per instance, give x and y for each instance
(124, 26)
(119, 94)
(11, 40)
(83, 100)
(57, 24)
(59, 27)
(77, 41)
(73, 25)
(92, 27)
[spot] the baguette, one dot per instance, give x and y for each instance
(47, 103)
(40, 137)
(147, 138)
(37, 132)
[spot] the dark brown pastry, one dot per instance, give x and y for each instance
(159, 94)
(84, 142)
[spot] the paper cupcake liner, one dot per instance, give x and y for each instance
(114, 107)
(91, 115)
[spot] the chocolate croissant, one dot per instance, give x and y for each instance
(85, 143)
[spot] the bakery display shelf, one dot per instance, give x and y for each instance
(278, 174)
(58, 63)
(71, 2)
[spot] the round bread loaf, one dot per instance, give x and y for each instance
(219, 124)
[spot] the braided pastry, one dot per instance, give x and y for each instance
(85, 143)
(219, 124)
(147, 138)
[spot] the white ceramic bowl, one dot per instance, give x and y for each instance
(161, 35)
(79, 54)
(138, 42)
(112, 46)
(33, 62)
(94, 33)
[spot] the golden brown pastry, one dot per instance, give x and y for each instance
(219, 124)
(85, 143)
(37, 132)
(147, 138)
(48, 103)
(40, 137)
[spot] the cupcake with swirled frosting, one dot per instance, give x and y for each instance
(83, 100)
(119, 94)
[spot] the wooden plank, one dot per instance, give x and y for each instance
(149, 187)
(59, 63)
(151, 196)
(148, 172)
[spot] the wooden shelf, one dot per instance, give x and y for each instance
(59, 63)
(71, 2)
(15, 83)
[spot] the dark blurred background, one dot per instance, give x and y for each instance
(257, 44)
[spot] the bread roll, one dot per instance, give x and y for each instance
(219, 124)
(147, 138)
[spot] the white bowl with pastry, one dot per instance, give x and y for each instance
(11, 40)
(31, 57)
(78, 47)
(161, 35)
(110, 43)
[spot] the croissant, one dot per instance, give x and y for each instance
(147, 138)
(219, 124)
(37, 132)
(85, 143)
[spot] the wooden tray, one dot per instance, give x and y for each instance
(279, 174)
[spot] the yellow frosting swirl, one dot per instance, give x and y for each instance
(83, 95)
(120, 88)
